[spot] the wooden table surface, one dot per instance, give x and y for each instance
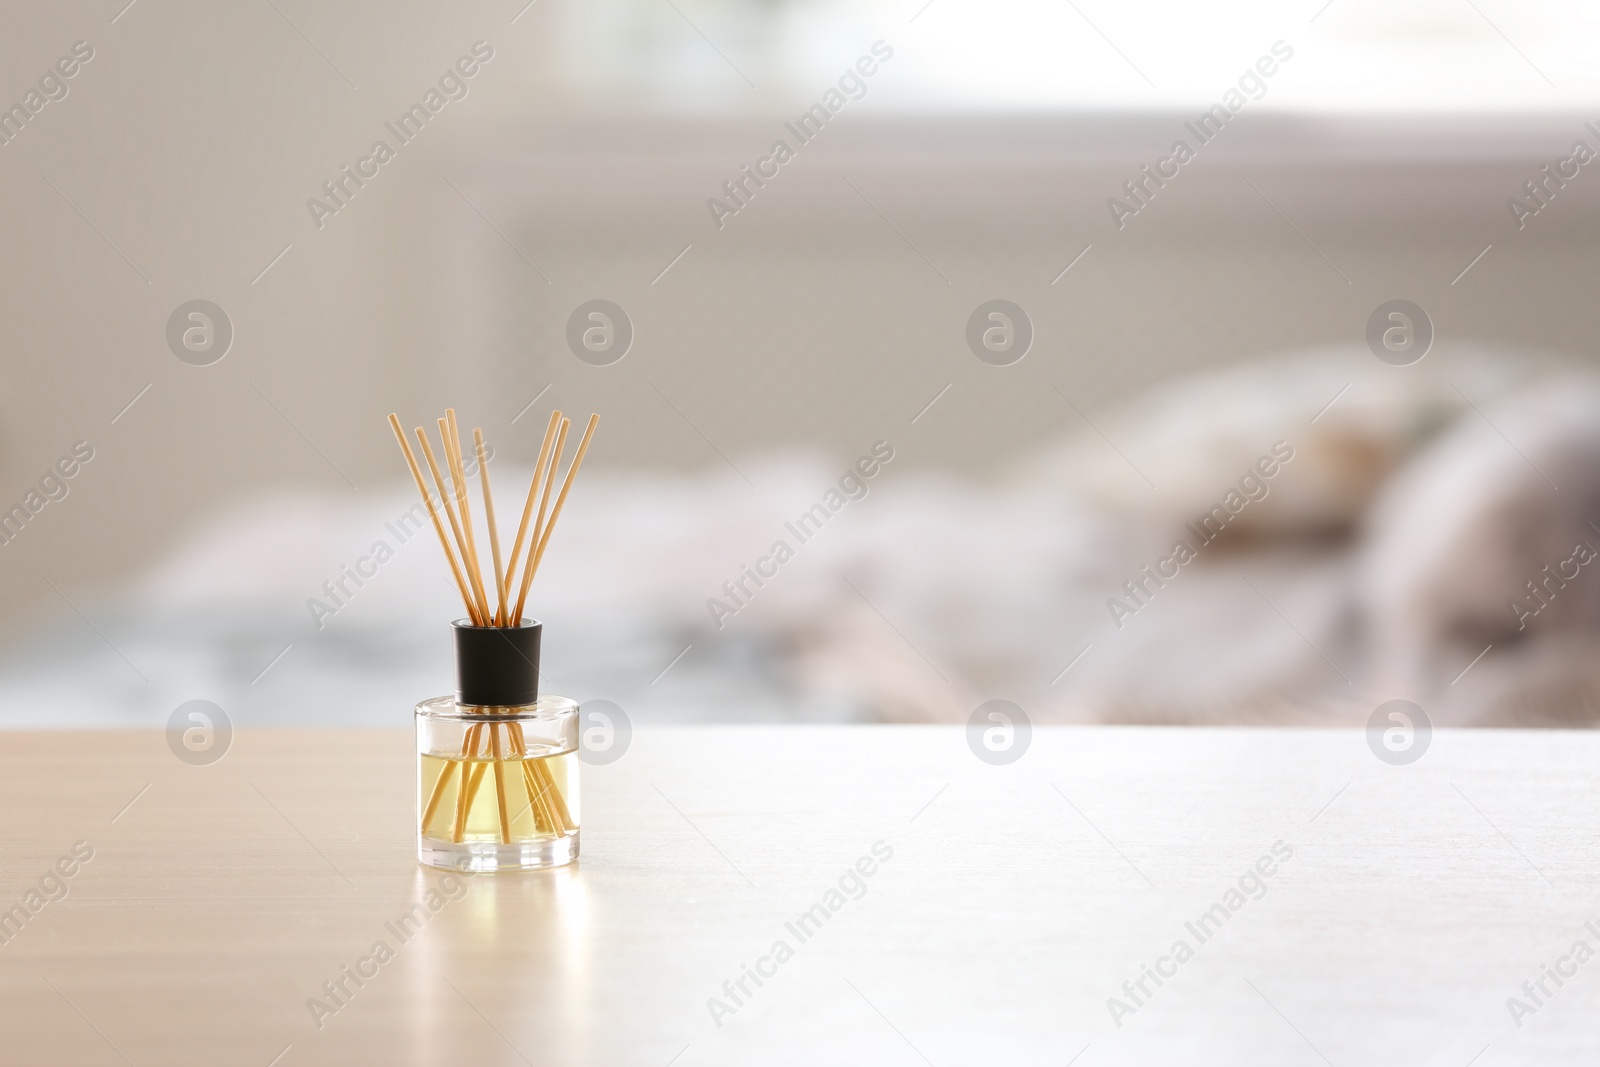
(1413, 902)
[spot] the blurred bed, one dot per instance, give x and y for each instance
(1355, 532)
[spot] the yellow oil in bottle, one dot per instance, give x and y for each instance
(541, 798)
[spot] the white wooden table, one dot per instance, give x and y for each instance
(1017, 900)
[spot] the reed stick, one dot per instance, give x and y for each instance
(538, 793)
(463, 791)
(519, 749)
(433, 512)
(558, 801)
(542, 805)
(450, 768)
(533, 491)
(539, 776)
(494, 532)
(500, 782)
(458, 478)
(477, 780)
(544, 535)
(544, 503)
(479, 611)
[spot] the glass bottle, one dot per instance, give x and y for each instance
(497, 764)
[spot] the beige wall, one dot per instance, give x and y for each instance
(191, 141)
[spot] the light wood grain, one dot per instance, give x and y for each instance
(1015, 903)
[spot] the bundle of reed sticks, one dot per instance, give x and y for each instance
(483, 745)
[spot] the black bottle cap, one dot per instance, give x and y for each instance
(497, 666)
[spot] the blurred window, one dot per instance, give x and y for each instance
(1466, 55)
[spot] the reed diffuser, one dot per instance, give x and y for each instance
(497, 769)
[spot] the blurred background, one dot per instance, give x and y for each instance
(1423, 533)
